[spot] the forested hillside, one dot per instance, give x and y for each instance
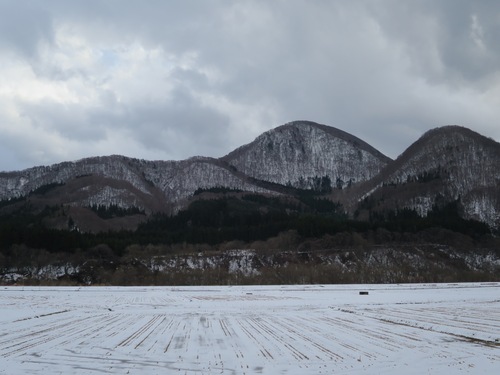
(310, 196)
(306, 232)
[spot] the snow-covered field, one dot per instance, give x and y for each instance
(395, 329)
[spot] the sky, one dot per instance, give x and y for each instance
(171, 79)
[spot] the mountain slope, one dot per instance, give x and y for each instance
(296, 153)
(446, 164)
(125, 182)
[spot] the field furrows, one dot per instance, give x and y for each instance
(482, 324)
(279, 338)
(451, 317)
(138, 337)
(253, 335)
(315, 338)
(361, 338)
(244, 331)
(55, 333)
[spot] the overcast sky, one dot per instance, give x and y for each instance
(173, 79)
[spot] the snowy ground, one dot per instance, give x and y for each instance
(396, 329)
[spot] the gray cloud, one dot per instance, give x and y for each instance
(23, 27)
(454, 42)
(180, 127)
(169, 80)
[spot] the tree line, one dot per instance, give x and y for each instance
(249, 217)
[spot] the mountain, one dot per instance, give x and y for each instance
(295, 153)
(149, 186)
(446, 164)
(302, 203)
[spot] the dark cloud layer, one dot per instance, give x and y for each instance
(173, 79)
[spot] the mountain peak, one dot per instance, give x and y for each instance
(302, 125)
(299, 151)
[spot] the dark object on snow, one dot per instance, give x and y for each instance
(363, 293)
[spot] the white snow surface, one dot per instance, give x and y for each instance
(323, 329)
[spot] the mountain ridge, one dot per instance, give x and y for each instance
(445, 164)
